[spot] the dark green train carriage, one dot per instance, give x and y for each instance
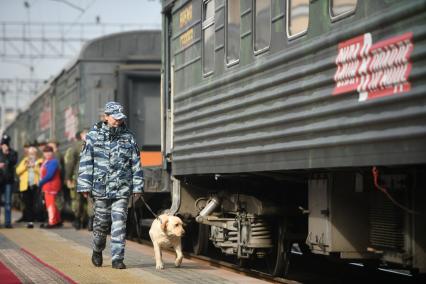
(275, 114)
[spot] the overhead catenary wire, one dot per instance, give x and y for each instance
(70, 4)
(79, 16)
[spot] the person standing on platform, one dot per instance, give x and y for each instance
(21, 201)
(78, 201)
(62, 199)
(110, 171)
(8, 160)
(53, 143)
(50, 184)
(28, 171)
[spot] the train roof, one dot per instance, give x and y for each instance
(138, 45)
(123, 46)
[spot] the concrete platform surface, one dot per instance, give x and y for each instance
(63, 256)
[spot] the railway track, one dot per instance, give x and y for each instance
(228, 265)
(310, 269)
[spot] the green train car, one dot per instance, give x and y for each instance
(298, 125)
(124, 67)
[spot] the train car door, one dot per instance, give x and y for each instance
(139, 91)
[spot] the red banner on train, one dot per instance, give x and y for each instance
(71, 123)
(373, 70)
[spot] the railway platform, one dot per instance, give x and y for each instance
(63, 255)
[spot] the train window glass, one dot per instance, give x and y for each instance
(341, 8)
(262, 20)
(208, 37)
(297, 17)
(233, 31)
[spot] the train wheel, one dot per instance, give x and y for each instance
(278, 261)
(243, 263)
(200, 238)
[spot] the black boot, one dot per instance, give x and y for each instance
(118, 264)
(97, 258)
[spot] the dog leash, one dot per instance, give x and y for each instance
(149, 209)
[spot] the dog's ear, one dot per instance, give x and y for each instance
(164, 220)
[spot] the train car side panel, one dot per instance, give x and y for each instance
(280, 113)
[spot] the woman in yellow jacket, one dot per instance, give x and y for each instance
(28, 171)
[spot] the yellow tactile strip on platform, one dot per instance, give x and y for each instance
(73, 260)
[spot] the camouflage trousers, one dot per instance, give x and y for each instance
(79, 206)
(112, 211)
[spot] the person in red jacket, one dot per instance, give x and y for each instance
(50, 184)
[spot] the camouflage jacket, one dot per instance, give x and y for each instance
(109, 163)
(71, 160)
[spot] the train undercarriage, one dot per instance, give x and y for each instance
(354, 215)
(246, 228)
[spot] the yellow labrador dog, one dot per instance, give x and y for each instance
(166, 232)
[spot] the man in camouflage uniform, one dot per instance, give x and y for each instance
(71, 160)
(110, 171)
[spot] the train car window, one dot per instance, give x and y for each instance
(297, 17)
(262, 25)
(233, 38)
(341, 8)
(208, 37)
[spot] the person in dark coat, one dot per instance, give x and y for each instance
(8, 160)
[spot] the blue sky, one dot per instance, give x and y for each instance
(143, 12)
